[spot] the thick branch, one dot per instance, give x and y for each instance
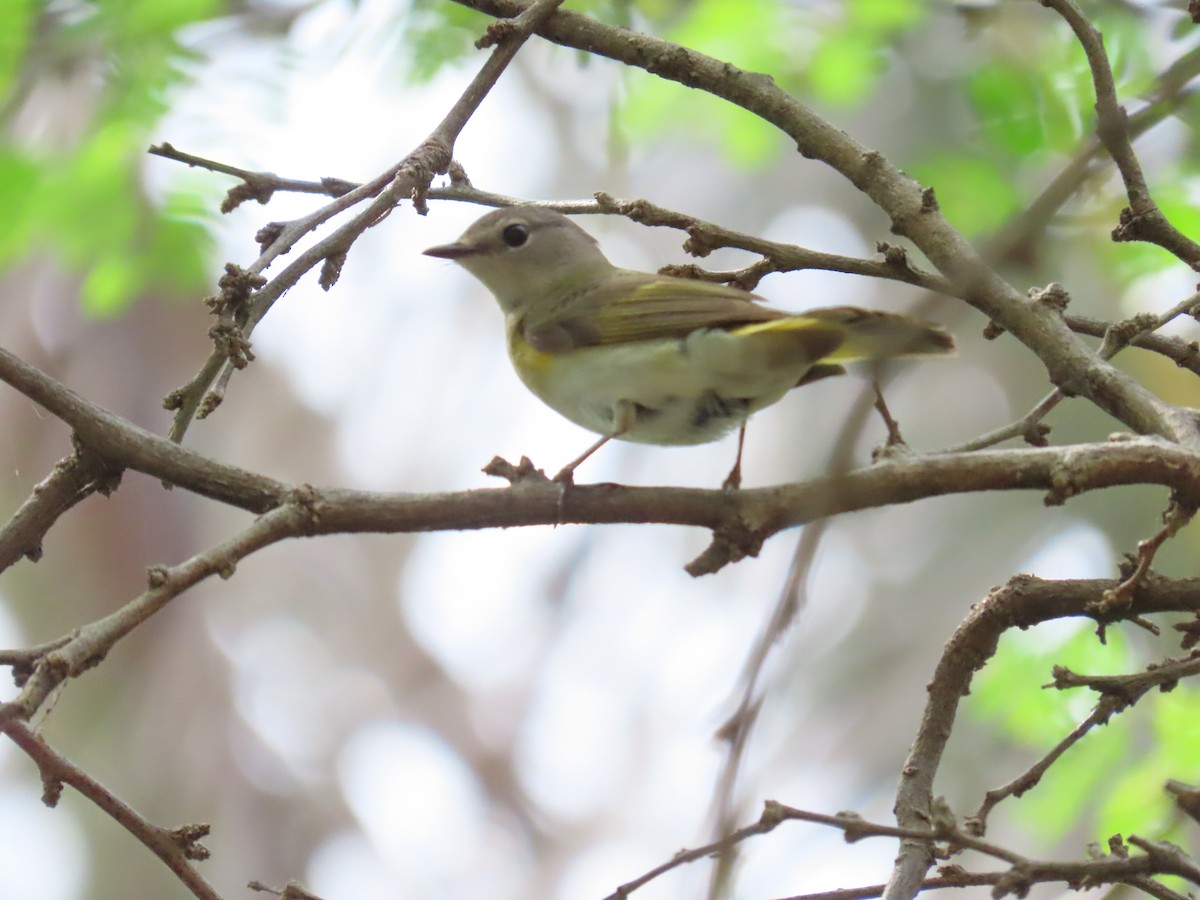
(743, 518)
(72, 480)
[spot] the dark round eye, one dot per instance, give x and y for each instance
(515, 235)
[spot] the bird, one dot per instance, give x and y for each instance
(651, 358)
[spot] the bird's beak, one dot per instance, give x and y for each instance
(457, 250)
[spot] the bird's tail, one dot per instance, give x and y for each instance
(871, 334)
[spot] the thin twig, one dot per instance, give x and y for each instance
(407, 179)
(87, 646)
(1117, 336)
(1176, 515)
(1143, 220)
(977, 824)
(1023, 602)
(175, 847)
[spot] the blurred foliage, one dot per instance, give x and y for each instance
(1023, 83)
(1111, 780)
(72, 172)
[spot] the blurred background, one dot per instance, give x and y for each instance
(532, 712)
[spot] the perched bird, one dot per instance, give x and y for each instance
(651, 358)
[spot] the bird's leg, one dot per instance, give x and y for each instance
(624, 415)
(733, 480)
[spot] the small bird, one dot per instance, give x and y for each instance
(651, 358)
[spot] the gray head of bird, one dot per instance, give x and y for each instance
(527, 255)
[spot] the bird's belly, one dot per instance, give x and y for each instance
(677, 398)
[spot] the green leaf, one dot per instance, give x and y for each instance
(179, 253)
(1008, 100)
(1137, 801)
(750, 35)
(16, 28)
(973, 193)
(20, 182)
(1007, 690)
(845, 66)
(438, 34)
(886, 16)
(111, 286)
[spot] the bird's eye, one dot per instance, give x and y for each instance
(515, 235)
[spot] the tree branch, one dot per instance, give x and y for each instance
(175, 847)
(1143, 220)
(1023, 602)
(240, 309)
(741, 520)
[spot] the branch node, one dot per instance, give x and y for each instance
(854, 827)
(458, 174)
(173, 400)
(237, 284)
(1190, 631)
(232, 343)
(1035, 434)
(331, 269)
(187, 839)
(700, 241)
(730, 544)
(1062, 484)
(52, 788)
(993, 330)
(894, 257)
(268, 234)
(772, 813)
(1053, 296)
(256, 186)
(522, 473)
(496, 32)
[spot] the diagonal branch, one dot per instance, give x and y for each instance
(1143, 220)
(86, 647)
(241, 307)
(176, 847)
(72, 480)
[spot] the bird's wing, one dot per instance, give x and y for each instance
(636, 306)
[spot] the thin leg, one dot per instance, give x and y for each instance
(733, 480)
(624, 416)
(566, 474)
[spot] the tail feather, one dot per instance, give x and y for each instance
(872, 334)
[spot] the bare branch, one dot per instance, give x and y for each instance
(87, 646)
(175, 847)
(1116, 336)
(72, 480)
(407, 179)
(1143, 220)
(1023, 602)
(740, 520)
